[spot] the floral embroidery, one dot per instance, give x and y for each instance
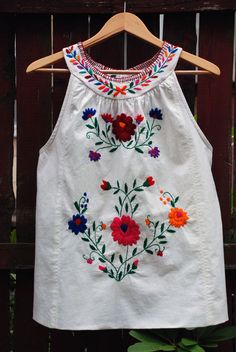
(125, 231)
(116, 131)
(107, 87)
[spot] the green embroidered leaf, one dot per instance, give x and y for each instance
(89, 232)
(131, 272)
(134, 267)
(95, 122)
(135, 136)
(112, 272)
(92, 247)
(136, 207)
(121, 258)
(111, 275)
(111, 85)
(176, 199)
(156, 224)
(110, 91)
(151, 134)
(126, 207)
(113, 149)
(94, 226)
(84, 239)
(83, 211)
(131, 91)
(113, 140)
(98, 143)
(162, 227)
(112, 257)
(103, 249)
(130, 142)
(148, 251)
(89, 126)
(150, 142)
(155, 68)
(118, 184)
(131, 84)
(108, 128)
(120, 275)
(145, 243)
(120, 200)
(134, 251)
(161, 236)
(142, 129)
(101, 260)
(138, 150)
(138, 189)
(77, 206)
(163, 242)
(126, 188)
(128, 267)
(104, 134)
(117, 210)
(116, 191)
(134, 184)
(83, 71)
(133, 198)
(99, 239)
(98, 129)
(172, 204)
(171, 231)
(148, 125)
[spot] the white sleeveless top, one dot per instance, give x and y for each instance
(128, 223)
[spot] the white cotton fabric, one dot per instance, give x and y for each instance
(185, 287)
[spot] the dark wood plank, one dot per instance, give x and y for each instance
(112, 6)
(138, 50)
(7, 93)
(179, 29)
(29, 335)
(67, 30)
(215, 101)
(4, 309)
(33, 115)
(64, 341)
(16, 256)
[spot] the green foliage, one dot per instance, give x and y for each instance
(181, 340)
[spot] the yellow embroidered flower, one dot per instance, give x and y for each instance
(178, 217)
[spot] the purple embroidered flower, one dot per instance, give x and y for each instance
(94, 155)
(77, 224)
(87, 113)
(156, 114)
(154, 152)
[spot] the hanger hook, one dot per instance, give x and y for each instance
(124, 6)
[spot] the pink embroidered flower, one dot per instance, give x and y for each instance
(90, 261)
(102, 268)
(125, 230)
(135, 263)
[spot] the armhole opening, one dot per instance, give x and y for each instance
(189, 112)
(55, 129)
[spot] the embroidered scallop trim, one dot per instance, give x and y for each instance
(109, 86)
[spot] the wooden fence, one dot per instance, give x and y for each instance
(30, 30)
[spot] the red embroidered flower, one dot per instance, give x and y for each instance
(105, 185)
(125, 230)
(139, 119)
(90, 261)
(102, 268)
(149, 182)
(160, 253)
(123, 127)
(107, 117)
(135, 263)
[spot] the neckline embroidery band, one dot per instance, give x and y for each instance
(154, 71)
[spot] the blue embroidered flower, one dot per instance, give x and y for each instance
(87, 113)
(154, 152)
(156, 114)
(94, 155)
(77, 224)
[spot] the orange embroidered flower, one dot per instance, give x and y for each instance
(104, 226)
(147, 221)
(177, 217)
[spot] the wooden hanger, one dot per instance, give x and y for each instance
(125, 21)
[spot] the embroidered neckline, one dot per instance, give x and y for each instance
(154, 71)
(145, 66)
